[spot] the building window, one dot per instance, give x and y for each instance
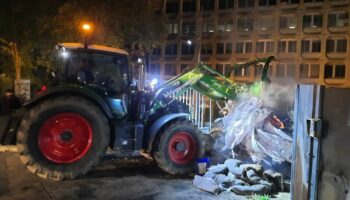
(336, 45)
(264, 46)
(170, 69)
(267, 2)
(311, 46)
(245, 24)
(207, 5)
(183, 67)
(219, 68)
(188, 28)
(338, 19)
(289, 1)
(187, 49)
(223, 48)
(309, 70)
(157, 51)
(244, 47)
(285, 70)
(312, 21)
(334, 71)
(245, 3)
(288, 22)
(225, 4)
(172, 7)
(171, 49)
(265, 23)
(207, 49)
(154, 69)
(287, 46)
(208, 27)
(189, 6)
(224, 26)
(241, 72)
(172, 28)
(309, 1)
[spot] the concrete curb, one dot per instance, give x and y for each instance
(8, 148)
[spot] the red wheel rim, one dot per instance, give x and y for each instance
(65, 138)
(182, 148)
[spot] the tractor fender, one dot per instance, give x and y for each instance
(72, 90)
(157, 125)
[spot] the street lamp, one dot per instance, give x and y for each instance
(86, 30)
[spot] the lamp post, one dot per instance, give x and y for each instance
(87, 31)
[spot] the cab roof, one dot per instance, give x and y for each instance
(94, 47)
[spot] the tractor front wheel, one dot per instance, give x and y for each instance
(177, 148)
(62, 138)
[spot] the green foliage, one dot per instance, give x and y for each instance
(37, 27)
(259, 197)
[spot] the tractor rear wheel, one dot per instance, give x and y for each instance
(63, 137)
(178, 147)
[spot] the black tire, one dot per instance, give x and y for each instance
(28, 137)
(162, 153)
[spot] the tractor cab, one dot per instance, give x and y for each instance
(99, 66)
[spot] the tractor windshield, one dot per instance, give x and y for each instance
(109, 70)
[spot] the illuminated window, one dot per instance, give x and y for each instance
(172, 28)
(208, 27)
(338, 19)
(224, 26)
(265, 23)
(245, 24)
(288, 22)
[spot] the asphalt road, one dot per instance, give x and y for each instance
(113, 179)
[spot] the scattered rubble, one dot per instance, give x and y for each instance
(206, 184)
(242, 179)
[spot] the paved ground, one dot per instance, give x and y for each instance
(113, 179)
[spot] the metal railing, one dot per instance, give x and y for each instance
(201, 111)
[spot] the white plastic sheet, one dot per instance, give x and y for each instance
(246, 124)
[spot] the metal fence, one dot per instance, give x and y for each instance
(201, 109)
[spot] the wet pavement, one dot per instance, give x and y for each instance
(113, 179)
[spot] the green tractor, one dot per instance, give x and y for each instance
(92, 104)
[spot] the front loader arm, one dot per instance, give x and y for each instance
(211, 83)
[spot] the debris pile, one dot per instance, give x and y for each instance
(249, 133)
(242, 179)
(250, 126)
